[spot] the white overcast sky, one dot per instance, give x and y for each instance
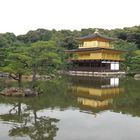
(20, 16)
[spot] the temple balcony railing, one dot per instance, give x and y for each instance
(92, 69)
(97, 56)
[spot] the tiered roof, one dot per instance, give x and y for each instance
(93, 49)
(95, 35)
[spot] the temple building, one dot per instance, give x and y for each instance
(95, 54)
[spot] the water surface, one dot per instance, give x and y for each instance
(76, 108)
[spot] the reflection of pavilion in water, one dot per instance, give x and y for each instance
(96, 93)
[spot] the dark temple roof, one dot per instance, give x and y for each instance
(95, 35)
(93, 49)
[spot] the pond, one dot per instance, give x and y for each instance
(74, 108)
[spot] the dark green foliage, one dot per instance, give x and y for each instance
(69, 43)
(130, 48)
(34, 36)
(131, 34)
(135, 62)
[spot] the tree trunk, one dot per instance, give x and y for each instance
(20, 81)
(18, 78)
(34, 71)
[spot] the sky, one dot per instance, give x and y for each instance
(20, 16)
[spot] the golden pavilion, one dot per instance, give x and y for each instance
(95, 54)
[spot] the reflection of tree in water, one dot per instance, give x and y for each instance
(24, 116)
(16, 114)
(43, 128)
(27, 123)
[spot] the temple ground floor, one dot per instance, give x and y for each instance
(94, 65)
(95, 68)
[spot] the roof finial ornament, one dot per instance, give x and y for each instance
(96, 31)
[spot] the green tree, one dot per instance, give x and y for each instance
(69, 42)
(44, 58)
(135, 62)
(130, 49)
(17, 65)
